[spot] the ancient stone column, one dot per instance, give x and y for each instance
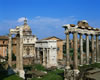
(35, 56)
(10, 51)
(38, 55)
(21, 53)
(75, 64)
(81, 50)
(17, 52)
(92, 43)
(67, 52)
(47, 57)
(44, 57)
(21, 71)
(87, 49)
(97, 48)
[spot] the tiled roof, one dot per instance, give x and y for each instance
(48, 38)
(4, 37)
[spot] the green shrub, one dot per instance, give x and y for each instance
(39, 67)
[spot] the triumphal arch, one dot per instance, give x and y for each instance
(81, 29)
(18, 31)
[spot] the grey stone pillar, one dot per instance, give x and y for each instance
(75, 51)
(21, 71)
(87, 49)
(44, 57)
(47, 57)
(21, 53)
(67, 52)
(81, 49)
(38, 56)
(97, 48)
(92, 54)
(17, 52)
(10, 51)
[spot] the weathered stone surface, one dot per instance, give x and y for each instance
(47, 52)
(10, 51)
(67, 52)
(97, 48)
(87, 49)
(81, 49)
(75, 62)
(21, 74)
(93, 52)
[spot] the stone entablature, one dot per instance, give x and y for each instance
(83, 29)
(46, 44)
(46, 52)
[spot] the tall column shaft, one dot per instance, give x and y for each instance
(92, 55)
(38, 55)
(17, 53)
(44, 57)
(48, 60)
(97, 48)
(67, 52)
(10, 51)
(81, 49)
(75, 51)
(21, 53)
(87, 49)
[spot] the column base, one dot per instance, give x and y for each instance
(81, 65)
(22, 74)
(67, 67)
(44, 64)
(76, 71)
(16, 70)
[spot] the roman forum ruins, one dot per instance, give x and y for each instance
(82, 28)
(46, 49)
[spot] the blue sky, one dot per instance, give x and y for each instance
(46, 17)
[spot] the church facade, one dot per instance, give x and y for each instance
(28, 41)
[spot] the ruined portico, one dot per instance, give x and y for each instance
(82, 28)
(19, 55)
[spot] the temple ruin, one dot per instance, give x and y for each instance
(19, 55)
(82, 28)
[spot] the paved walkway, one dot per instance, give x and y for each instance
(94, 74)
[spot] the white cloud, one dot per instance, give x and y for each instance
(41, 26)
(50, 21)
(21, 19)
(37, 17)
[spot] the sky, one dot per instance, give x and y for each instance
(46, 17)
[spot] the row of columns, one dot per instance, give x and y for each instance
(45, 56)
(75, 55)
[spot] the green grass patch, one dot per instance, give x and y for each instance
(39, 67)
(13, 77)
